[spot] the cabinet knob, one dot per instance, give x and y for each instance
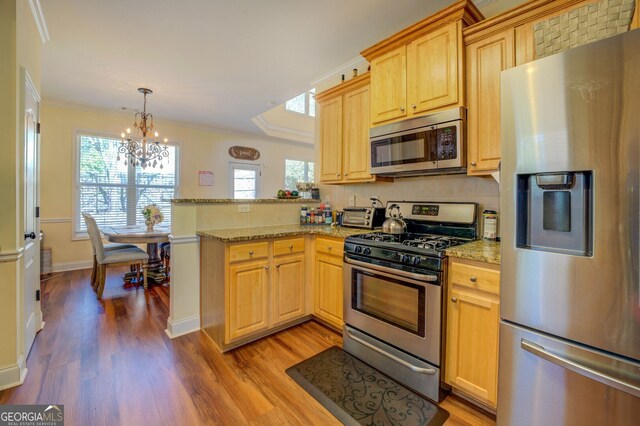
(290, 246)
(473, 163)
(401, 109)
(266, 267)
(329, 248)
(473, 279)
(413, 106)
(250, 252)
(454, 300)
(337, 174)
(346, 174)
(277, 266)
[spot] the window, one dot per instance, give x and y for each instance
(244, 181)
(304, 103)
(115, 193)
(297, 171)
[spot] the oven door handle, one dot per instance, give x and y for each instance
(398, 272)
(420, 370)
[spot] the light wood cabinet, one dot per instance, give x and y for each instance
(248, 310)
(343, 117)
(328, 292)
(389, 86)
(249, 290)
(288, 288)
(486, 59)
(473, 315)
(418, 78)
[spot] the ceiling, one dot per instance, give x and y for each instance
(211, 63)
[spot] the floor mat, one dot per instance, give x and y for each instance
(358, 394)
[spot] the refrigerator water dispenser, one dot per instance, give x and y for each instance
(555, 212)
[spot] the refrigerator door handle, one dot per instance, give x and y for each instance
(590, 373)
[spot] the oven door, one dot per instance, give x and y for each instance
(398, 307)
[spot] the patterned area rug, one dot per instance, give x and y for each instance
(357, 394)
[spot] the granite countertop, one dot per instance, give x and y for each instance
(481, 251)
(238, 201)
(261, 232)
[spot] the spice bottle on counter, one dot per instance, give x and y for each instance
(303, 214)
(490, 222)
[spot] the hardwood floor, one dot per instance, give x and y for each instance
(111, 363)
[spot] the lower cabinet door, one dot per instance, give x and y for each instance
(472, 344)
(288, 288)
(248, 310)
(328, 289)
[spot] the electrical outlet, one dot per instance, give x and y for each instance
(244, 208)
(352, 200)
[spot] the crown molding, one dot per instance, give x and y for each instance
(283, 132)
(41, 24)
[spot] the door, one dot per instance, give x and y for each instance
(432, 70)
(331, 140)
(328, 289)
(472, 344)
(288, 288)
(574, 112)
(248, 308)
(356, 145)
(545, 381)
(389, 86)
(30, 112)
(486, 59)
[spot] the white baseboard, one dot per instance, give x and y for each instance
(13, 375)
(182, 327)
(71, 266)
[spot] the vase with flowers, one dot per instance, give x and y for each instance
(152, 216)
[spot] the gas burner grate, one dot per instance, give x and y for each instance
(435, 242)
(379, 237)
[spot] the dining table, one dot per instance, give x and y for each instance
(139, 234)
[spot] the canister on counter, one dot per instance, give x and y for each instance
(490, 225)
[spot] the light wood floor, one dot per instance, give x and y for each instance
(111, 363)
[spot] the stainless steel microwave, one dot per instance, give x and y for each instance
(433, 144)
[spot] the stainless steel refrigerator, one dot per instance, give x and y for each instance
(570, 290)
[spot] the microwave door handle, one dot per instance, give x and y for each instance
(415, 369)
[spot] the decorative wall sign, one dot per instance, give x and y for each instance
(205, 178)
(244, 153)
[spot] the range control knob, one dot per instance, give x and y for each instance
(416, 260)
(358, 249)
(367, 250)
(406, 258)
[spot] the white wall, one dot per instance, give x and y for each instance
(200, 149)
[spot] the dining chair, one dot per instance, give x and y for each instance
(107, 247)
(131, 256)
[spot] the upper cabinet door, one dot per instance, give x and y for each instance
(432, 70)
(331, 140)
(389, 86)
(355, 142)
(486, 58)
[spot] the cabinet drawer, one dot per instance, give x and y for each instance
(248, 251)
(330, 246)
(476, 277)
(288, 246)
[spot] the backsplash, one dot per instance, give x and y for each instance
(482, 190)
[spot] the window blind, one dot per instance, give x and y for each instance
(115, 193)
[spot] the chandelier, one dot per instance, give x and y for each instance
(138, 148)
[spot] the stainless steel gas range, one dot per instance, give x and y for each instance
(393, 292)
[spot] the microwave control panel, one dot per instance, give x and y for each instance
(446, 143)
